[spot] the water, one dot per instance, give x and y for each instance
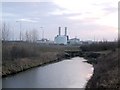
(71, 73)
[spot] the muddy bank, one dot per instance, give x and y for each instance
(105, 72)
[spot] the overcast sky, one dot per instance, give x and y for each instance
(85, 19)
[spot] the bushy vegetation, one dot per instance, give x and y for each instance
(106, 68)
(100, 46)
(106, 72)
(14, 50)
(18, 56)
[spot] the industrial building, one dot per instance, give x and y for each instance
(61, 39)
(74, 41)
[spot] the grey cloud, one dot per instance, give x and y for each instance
(110, 9)
(107, 7)
(29, 9)
(40, 12)
(69, 14)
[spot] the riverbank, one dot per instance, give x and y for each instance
(55, 75)
(21, 56)
(105, 71)
(18, 57)
(19, 65)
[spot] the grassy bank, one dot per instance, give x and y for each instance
(106, 67)
(20, 56)
(105, 72)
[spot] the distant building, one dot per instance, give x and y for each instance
(45, 41)
(74, 41)
(61, 39)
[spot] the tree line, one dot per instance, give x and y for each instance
(28, 35)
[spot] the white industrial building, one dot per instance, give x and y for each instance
(74, 41)
(61, 39)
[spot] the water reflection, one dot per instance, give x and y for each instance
(72, 73)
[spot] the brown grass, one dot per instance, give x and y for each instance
(19, 56)
(106, 73)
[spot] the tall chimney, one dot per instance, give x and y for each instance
(65, 31)
(59, 30)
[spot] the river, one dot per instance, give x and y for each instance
(69, 73)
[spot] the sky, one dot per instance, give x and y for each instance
(85, 19)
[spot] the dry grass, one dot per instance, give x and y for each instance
(101, 46)
(19, 56)
(106, 73)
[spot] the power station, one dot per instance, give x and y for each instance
(61, 39)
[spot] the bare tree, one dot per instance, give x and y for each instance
(31, 36)
(5, 32)
(27, 36)
(34, 35)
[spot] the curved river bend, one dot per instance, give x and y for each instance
(69, 73)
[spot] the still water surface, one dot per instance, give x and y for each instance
(69, 73)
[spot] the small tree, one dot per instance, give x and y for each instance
(5, 32)
(31, 36)
(26, 36)
(34, 35)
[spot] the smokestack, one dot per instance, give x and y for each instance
(65, 31)
(59, 30)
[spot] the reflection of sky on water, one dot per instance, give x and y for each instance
(65, 74)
